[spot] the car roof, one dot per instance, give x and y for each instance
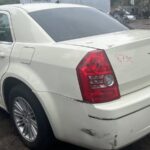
(39, 6)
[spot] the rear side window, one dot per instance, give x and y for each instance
(76, 22)
(5, 32)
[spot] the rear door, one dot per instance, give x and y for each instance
(6, 42)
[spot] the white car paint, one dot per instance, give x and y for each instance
(126, 51)
(42, 65)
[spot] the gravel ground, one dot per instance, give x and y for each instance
(10, 141)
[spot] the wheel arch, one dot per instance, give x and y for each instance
(7, 85)
(11, 81)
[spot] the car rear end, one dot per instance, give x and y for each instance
(122, 69)
(101, 98)
(99, 85)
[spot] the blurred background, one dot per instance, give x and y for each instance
(133, 13)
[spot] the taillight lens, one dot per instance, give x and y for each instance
(97, 81)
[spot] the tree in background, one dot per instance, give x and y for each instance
(8, 1)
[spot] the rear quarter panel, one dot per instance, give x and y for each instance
(56, 66)
(52, 67)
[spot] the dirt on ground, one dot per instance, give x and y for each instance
(10, 141)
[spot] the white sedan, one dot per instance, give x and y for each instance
(73, 73)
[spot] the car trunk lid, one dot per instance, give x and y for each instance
(129, 55)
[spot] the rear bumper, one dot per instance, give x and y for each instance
(102, 126)
(115, 134)
(126, 105)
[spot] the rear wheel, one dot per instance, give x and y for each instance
(29, 118)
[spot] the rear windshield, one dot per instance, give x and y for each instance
(76, 22)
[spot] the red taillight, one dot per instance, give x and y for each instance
(97, 81)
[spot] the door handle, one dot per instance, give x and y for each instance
(2, 55)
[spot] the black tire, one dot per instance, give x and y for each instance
(45, 137)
